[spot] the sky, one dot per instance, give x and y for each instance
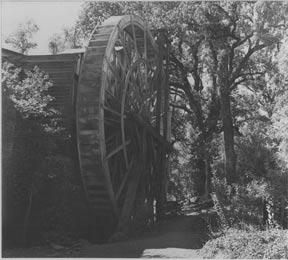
(50, 16)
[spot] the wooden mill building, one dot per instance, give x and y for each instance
(114, 94)
(63, 70)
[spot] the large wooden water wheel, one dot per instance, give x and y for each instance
(117, 111)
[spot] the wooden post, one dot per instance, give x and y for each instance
(168, 166)
(137, 170)
(161, 153)
(159, 92)
(165, 121)
(166, 91)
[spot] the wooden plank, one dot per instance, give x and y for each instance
(137, 169)
(96, 50)
(159, 94)
(56, 72)
(119, 148)
(61, 83)
(99, 197)
(151, 130)
(166, 93)
(101, 205)
(52, 67)
(106, 29)
(113, 111)
(97, 192)
(100, 37)
(48, 58)
(98, 42)
(124, 181)
(50, 63)
(134, 34)
(92, 57)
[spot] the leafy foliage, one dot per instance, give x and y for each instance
(70, 38)
(94, 13)
(21, 39)
(28, 91)
(56, 44)
(29, 95)
(36, 125)
(248, 244)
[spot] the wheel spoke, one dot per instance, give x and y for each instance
(125, 49)
(124, 180)
(134, 34)
(110, 138)
(145, 53)
(110, 120)
(123, 41)
(113, 111)
(113, 69)
(118, 149)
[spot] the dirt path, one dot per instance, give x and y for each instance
(177, 237)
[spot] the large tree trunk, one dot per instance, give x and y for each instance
(230, 158)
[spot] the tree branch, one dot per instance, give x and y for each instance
(240, 42)
(186, 109)
(194, 103)
(244, 61)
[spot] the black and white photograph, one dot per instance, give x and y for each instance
(144, 129)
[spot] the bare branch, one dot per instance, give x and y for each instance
(245, 59)
(240, 42)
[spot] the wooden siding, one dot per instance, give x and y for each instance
(62, 71)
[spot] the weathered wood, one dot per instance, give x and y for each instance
(130, 196)
(123, 183)
(166, 92)
(151, 130)
(159, 96)
(110, 84)
(138, 169)
(134, 34)
(119, 148)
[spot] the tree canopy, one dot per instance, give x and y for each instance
(21, 39)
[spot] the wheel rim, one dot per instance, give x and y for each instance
(112, 87)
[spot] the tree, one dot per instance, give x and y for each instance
(230, 35)
(56, 44)
(28, 92)
(70, 38)
(94, 13)
(212, 49)
(279, 118)
(21, 39)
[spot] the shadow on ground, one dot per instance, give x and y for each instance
(176, 237)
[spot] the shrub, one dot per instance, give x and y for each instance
(241, 202)
(237, 243)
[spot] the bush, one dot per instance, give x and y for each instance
(241, 202)
(237, 243)
(42, 188)
(259, 196)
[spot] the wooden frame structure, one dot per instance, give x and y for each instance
(122, 109)
(116, 93)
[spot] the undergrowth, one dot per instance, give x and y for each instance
(255, 244)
